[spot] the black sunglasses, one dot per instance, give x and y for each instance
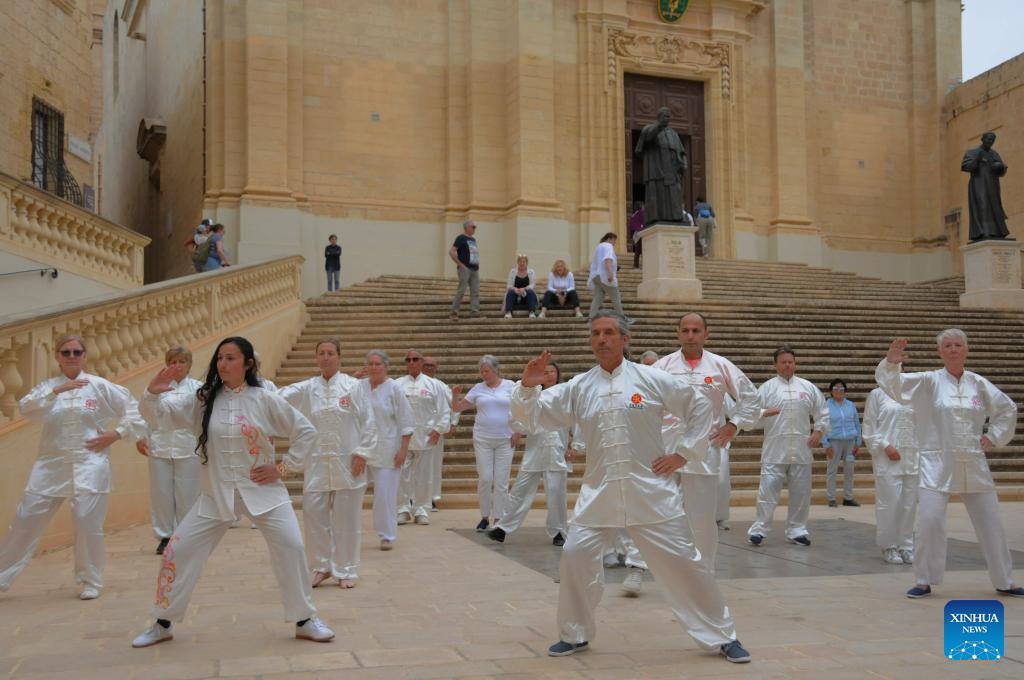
(409, 360)
(72, 352)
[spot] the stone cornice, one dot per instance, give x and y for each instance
(644, 49)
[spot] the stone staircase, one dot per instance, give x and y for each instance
(838, 323)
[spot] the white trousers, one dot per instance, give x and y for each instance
(521, 498)
(88, 511)
(415, 491)
(842, 451)
(334, 528)
(173, 489)
(196, 537)
(700, 502)
(895, 508)
(724, 488)
(385, 501)
(437, 470)
(686, 578)
(797, 476)
(493, 468)
(930, 550)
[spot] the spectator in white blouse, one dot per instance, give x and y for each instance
(521, 280)
(561, 290)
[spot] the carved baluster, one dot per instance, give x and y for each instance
(90, 335)
(131, 357)
(108, 363)
(140, 350)
(116, 360)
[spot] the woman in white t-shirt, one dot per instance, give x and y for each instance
(493, 439)
(561, 290)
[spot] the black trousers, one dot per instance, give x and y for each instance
(572, 300)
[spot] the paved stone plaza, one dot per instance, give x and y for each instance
(448, 603)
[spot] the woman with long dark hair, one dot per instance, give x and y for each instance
(235, 419)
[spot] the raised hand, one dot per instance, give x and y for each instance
(896, 355)
(70, 385)
(533, 374)
(161, 382)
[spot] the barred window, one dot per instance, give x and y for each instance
(47, 147)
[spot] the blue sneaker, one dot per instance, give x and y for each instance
(801, 540)
(566, 648)
(917, 592)
(734, 652)
(482, 525)
(1012, 592)
(755, 539)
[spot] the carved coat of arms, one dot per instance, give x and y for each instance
(670, 11)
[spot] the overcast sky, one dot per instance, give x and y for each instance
(993, 31)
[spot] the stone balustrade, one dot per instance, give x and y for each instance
(127, 332)
(42, 227)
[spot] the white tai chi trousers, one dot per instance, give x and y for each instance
(385, 501)
(842, 450)
(414, 493)
(173, 489)
(724, 488)
(895, 508)
(437, 470)
(700, 503)
(797, 476)
(686, 578)
(196, 537)
(88, 510)
(493, 467)
(521, 499)
(334, 527)
(930, 550)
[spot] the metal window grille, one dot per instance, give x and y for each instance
(48, 169)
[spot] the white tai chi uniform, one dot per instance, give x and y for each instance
(890, 423)
(949, 417)
(544, 459)
(173, 468)
(430, 410)
(332, 497)
(240, 427)
(394, 419)
(785, 456)
(492, 444)
(620, 416)
(713, 377)
(437, 452)
(724, 481)
(66, 469)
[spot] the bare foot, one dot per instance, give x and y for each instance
(346, 583)
(319, 577)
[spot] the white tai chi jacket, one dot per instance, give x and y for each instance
(167, 438)
(242, 422)
(949, 416)
(713, 377)
(393, 418)
(785, 435)
(64, 466)
(341, 410)
(620, 416)
(429, 408)
(890, 423)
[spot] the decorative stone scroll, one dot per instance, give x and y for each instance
(657, 48)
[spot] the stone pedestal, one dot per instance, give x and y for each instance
(992, 275)
(670, 269)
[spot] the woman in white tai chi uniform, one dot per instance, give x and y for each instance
(173, 463)
(395, 425)
(951, 406)
(235, 419)
(82, 415)
(544, 459)
(889, 433)
(334, 482)
(494, 442)
(628, 484)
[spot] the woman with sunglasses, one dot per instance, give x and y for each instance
(842, 443)
(235, 418)
(82, 416)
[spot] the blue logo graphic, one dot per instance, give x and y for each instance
(973, 630)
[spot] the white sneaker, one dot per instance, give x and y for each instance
(612, 560)
(542, 315)
(891, 556)
(89, 593)
(907, 556)
(723, 524)
(634, 582)
(314, 629)
(532, 315)
(422, 519)
(578, 313)
(508, 315)
(404, 518)
(155, 634)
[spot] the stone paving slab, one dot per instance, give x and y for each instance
(441, 606)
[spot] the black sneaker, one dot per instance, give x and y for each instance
(734, 652)
(851, 503)
(917, 592)
(566, 648)
(162, 545)
(832, 503)
(496, 534)
(755, 539)
(558, 540)
(801, 540)
(482, 526)
(1012, 592)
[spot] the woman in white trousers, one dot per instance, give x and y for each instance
(82, 416)
(494, 442)
(395, 425)
(334, 483)
(951, 406)
(235, 419)
(173, 462)
(544, 459)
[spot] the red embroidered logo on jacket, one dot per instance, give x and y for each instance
(708, 380)
(91, 404)
(344, 402)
